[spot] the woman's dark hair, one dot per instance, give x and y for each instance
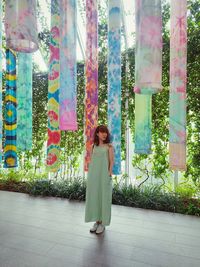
(102, 129)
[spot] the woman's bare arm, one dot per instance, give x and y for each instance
(111, 159)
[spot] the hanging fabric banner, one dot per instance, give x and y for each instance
(148, 68)
(1, 57)
(10, 149)
(148, 56)
(143, 124)
(53, 143)
(114, 80)
(21, 25)
(91, 92)
(178, 74)
(24, 102)
(68, 72)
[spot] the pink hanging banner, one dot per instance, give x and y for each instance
(178, 74)
(1, 57)
(148, 68)
(21, 25)
(91, 93)
(148, 55)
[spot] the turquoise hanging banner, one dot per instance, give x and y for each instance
(10, 149)
(114, 80)
(24, 102)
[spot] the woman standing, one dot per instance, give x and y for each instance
(99, 181)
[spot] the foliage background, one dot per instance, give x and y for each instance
(72, 144)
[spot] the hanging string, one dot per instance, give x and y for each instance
(53, 143)
(114, 80)
(127, 129)
(178, 74)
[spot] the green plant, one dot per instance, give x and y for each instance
(146, 197)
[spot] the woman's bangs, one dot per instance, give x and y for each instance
(103, 129)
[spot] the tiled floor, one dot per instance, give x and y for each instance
(51, 232)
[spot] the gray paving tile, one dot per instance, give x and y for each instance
(36, 231)
(11, 257)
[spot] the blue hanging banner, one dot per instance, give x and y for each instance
(10, 149)
(114, 80)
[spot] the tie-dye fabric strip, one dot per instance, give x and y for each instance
(53, 144)
(24, 102)
(114, 81)
(148, 68)
(148, 56)
(10, 150)
(178, 73)
(21, 25)
(91, 94)
(68, 73)
(1, 57)
(143, 124)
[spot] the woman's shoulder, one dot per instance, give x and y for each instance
(110, 145)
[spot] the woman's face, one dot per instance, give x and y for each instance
(102, 136)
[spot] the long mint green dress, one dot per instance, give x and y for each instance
(99, 187)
